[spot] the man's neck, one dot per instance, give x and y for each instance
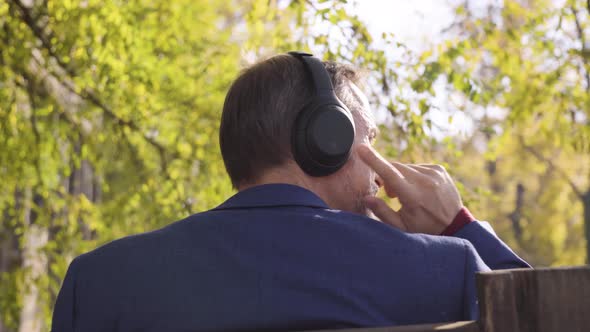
(284, 174)
(290, 174)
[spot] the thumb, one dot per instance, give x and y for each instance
(382, 211)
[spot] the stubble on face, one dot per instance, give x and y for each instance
(366, 133)
(362, 208)
(351, 189)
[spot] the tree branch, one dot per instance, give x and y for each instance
(584, 49)
(33, 105)
(30, 22)
(84, 93)
(548, 161)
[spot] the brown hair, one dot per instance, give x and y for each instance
(260, 109)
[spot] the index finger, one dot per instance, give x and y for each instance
(393, 180)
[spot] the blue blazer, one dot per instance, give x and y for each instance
(276, 258)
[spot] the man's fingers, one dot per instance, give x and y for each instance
(382, 211)
(393, 180)
(436, 172)
(412, 174)
(424, 170)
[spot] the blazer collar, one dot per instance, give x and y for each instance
(269, 195)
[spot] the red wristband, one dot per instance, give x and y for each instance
(462, 218)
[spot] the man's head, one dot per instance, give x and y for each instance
(258, 116)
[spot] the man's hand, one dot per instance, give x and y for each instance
(429, 198)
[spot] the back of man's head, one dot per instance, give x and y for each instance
(260, 109)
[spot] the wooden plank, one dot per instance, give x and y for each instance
(541, 300)
(468, 326)
(521, 300)
(526, 296)
(497, 305)
(564, 299)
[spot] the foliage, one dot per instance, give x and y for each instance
(109, 113)
(520, 72)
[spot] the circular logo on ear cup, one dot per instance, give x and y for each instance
(329, 136)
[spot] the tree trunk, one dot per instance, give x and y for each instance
(35, 261)
(586, 204)
(517, 213)
(10, 253)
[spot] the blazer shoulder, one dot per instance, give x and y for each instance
(132, 246)
(444, 245)
(375, 226)
(430, 247)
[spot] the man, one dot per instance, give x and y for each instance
(296, 247)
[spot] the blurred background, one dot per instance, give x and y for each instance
(109, 114)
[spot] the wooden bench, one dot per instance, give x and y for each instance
(521, 300)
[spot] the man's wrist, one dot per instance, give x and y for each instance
(462, 218)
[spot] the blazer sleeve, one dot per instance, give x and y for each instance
(64, 312)
(495, 253)
(473, 264)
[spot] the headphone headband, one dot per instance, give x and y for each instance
(315, 67)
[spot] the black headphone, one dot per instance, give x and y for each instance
(323, 132)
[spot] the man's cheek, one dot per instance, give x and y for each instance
(368, 172)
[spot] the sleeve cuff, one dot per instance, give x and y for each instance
(462, 218)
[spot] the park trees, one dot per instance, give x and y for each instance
(519, 71)
(109, 113)
(108, 122)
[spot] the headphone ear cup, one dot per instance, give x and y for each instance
(322, 138)
(323, 132)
